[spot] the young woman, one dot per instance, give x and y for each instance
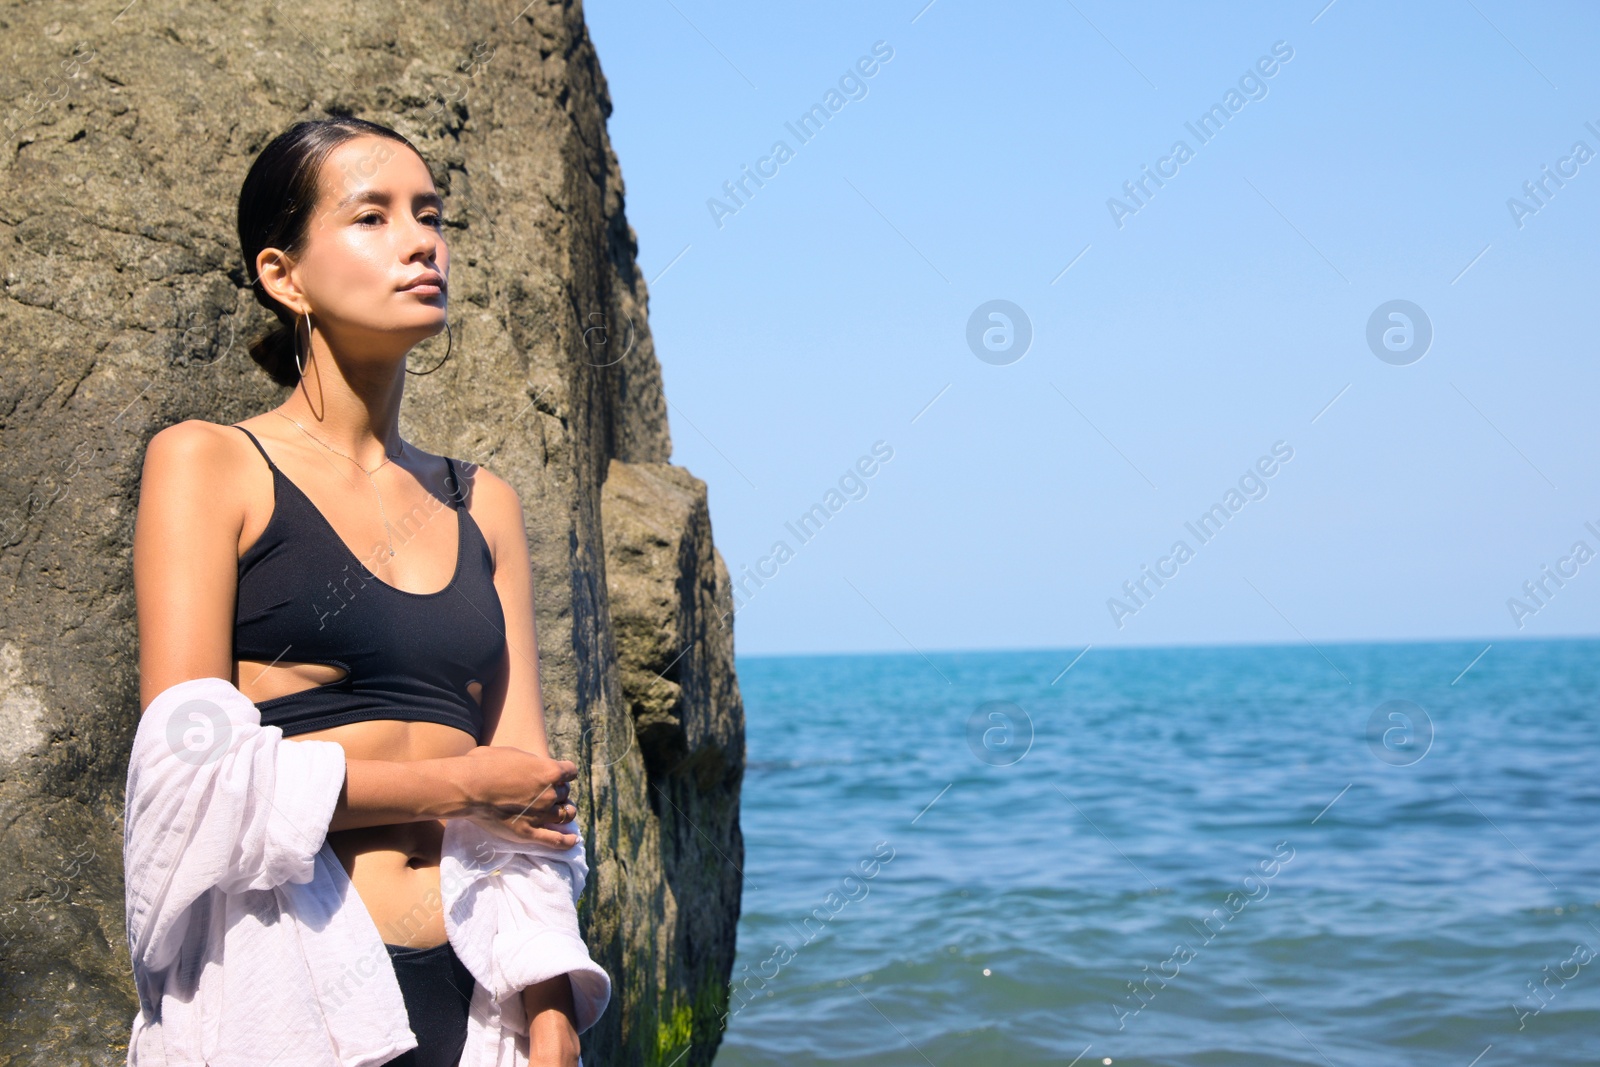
(354, 587)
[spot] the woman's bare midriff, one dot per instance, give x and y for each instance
(394, 868)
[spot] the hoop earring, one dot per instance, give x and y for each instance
(297, 364)
(449, 340)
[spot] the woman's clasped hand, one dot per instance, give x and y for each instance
(517, 795)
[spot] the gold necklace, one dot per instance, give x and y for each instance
(388, 530)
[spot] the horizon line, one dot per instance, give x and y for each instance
(1066, 650)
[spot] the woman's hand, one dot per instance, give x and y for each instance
(516, 794)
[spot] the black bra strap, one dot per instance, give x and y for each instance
(456, 489)
(253, 440)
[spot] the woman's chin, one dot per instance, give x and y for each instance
(426, 322)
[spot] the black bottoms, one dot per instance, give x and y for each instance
(438, 991)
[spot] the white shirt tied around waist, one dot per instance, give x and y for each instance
(249, 945)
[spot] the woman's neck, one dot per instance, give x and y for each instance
(360, 419)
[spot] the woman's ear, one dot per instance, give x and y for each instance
(276, 273)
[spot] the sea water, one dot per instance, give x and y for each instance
(1232, 856)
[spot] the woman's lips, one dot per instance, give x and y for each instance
(425, 283)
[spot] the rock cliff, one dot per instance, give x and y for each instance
(124, 309)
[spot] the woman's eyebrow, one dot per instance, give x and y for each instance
(381, 197)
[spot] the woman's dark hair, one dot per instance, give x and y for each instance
(276, 203)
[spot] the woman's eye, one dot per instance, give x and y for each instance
(433, 220)
(369, 215)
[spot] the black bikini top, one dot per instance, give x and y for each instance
(304, 597)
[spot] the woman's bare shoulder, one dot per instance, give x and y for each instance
(192, 441)
(205, 466)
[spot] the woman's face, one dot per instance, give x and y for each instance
(377, 229)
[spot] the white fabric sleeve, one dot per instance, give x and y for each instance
(511, 913)
(216, 800)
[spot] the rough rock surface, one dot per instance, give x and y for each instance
(669, 591)
(123, 309)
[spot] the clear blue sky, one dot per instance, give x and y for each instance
(1175, 339)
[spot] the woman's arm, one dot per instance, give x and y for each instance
(552, 1023)
(513, 704)
(186, 557)
(514, 715)
(383, 792)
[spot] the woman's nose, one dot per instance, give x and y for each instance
(426, 241)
